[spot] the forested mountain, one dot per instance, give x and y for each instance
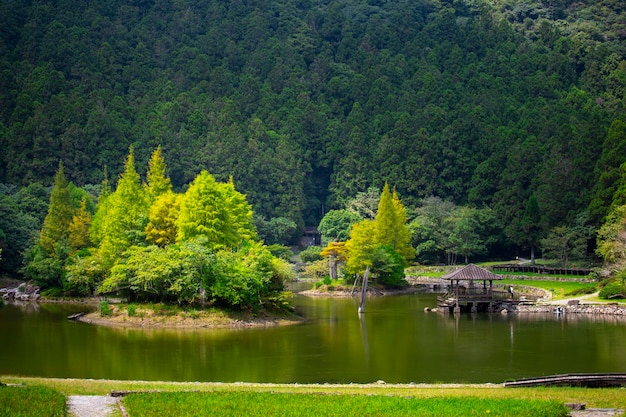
(305, 103)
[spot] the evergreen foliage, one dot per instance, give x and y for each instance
(161, 229)
(79, 228)
(336, 225)
(158, 182)
(311, 106)
(56, 225)
(307, 105)
(125, 216)
(215, 211)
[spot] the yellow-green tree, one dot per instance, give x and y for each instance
(402, 238)
(158, 182)
(161, 229)
(391, 225)
(79, 227)
(361, 247)
(126, 216)
(385, 222)
(215, 211)
(381, 245)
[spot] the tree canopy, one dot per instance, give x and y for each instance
(307, 106)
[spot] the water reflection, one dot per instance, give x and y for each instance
(394, 341)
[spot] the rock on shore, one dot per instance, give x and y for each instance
(23, 292)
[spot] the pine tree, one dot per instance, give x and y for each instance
(56, 224)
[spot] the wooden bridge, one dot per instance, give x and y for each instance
(572, 380)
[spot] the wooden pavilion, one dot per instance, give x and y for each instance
(466, 293)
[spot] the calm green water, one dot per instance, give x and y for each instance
(394, 341)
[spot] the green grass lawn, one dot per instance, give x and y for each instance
(559, 289)
(226, 404)
(477, 394)
(31, 401)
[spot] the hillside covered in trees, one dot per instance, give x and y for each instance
(512, 106)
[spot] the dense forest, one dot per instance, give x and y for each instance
(516, 107)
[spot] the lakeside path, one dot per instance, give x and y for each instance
(566, 301)
(93, 406)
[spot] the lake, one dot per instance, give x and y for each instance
(394, 341)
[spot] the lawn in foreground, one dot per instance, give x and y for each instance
(31, 401)
(222, 404)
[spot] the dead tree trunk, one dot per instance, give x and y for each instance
(364, 290)
(332, 266)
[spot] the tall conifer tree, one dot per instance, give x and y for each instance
(391, 224)
(56, 224)
(158, 182)
(215, 211)
(79, 227)
(385, 222)
(127, 214)
(402, 242)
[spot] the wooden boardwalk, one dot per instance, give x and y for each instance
(572, 380)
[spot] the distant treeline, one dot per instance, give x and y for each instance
(306, 103)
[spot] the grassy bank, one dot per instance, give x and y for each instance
(31, 401)
(594, 398)
(252, 404)
(559, 289)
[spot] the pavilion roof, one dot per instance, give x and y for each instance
(472, 272)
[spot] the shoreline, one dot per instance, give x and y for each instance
(609, 309)
(162, 317)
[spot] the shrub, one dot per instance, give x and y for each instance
(104, 309)
(315, 270)
(613, 290)
(311, 254)
(280, 251)
(132, 310)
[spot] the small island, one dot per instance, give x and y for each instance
(167, 316)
